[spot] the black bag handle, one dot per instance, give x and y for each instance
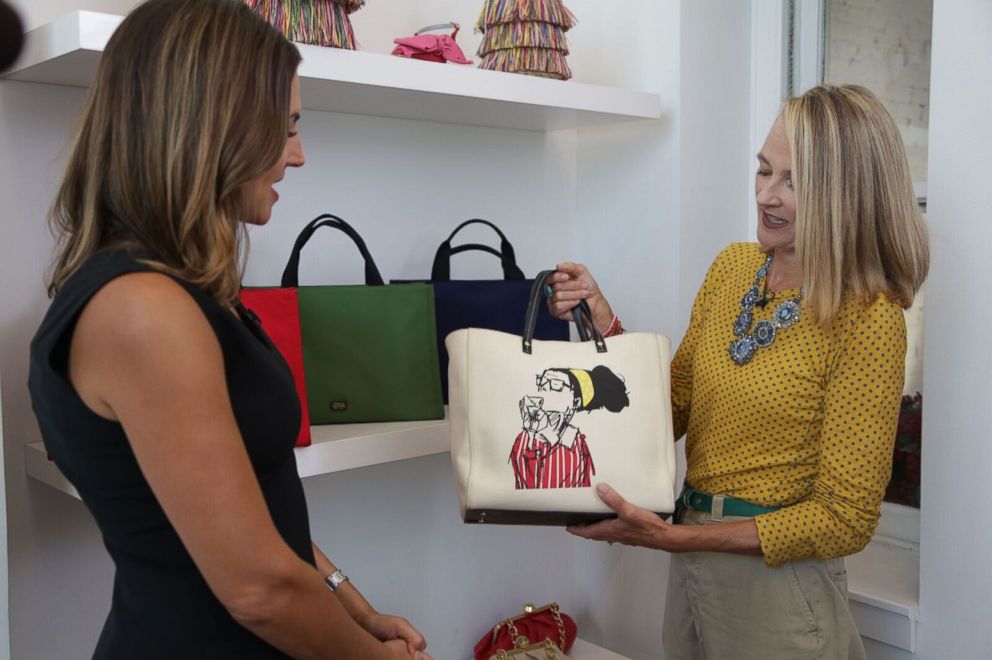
(441, 270)
(580, 313)
(291, 275)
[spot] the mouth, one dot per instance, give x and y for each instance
(772, 221)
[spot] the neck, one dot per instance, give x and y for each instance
(785, 272)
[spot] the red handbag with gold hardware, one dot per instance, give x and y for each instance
(534, 626)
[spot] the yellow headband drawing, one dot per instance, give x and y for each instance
(585, 384)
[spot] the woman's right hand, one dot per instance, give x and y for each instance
(573, 283)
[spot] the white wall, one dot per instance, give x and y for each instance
(628, 224)
(4, 585)
(956, 542)
(616, 197)
(715, 162)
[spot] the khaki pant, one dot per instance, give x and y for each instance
(724, 606)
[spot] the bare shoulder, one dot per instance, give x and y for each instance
(140, 330)
(144, 302)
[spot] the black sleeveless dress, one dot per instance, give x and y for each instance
(162, 606)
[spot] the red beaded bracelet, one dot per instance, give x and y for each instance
(615, 328)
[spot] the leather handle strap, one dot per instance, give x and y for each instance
(580, 313)
(440, 26)
(291, 274)
(441, 269)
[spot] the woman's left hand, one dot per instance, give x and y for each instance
(386, 627)
(634, 526)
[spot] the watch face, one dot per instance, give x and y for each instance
(335, 580)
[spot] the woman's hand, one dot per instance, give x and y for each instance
(398, 650)
(571, 284)
(634, 526)
(640, 527)
(387, 628)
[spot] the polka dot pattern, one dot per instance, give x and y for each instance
(808, 424)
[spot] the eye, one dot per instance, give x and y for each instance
(763, 173)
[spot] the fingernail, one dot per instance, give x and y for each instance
(602, 489)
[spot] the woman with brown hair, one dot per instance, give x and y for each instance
(787, 386)
(162, 401)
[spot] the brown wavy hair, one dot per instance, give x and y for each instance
(190, 101)
(859, 230)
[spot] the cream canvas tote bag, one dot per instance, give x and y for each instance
(535, 425)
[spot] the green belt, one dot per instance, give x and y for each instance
(700, 501)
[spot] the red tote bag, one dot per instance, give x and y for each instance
(278, 312)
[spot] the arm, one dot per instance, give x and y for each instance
(682, 363)
(860, 415)
(573, 283)
(143, 354)
(639, 527)
(381, 626)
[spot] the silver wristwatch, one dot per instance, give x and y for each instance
(335, 580)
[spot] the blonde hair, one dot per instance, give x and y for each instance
(190, 101)
(858, 228)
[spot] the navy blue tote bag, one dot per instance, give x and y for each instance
(492, 304)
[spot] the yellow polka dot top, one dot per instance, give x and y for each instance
(807, 424)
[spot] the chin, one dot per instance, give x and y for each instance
(258, 217)
(771, 241)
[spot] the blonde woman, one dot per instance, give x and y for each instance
(157, 395)
(787, 385)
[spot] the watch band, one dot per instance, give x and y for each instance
(335, 580)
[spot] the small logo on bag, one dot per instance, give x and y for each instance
(339, 406)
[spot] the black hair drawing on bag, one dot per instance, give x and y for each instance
(609, 390)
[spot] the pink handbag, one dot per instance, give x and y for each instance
(432, 47)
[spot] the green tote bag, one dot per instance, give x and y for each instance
(369, 351)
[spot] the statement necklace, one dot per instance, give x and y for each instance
(786, 314)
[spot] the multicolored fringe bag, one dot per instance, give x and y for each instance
(525, 36)
(317, 22)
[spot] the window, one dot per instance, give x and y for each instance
(885, 46)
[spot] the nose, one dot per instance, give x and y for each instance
(765, 193)
(295, 157)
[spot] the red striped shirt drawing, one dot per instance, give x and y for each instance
(537, 463)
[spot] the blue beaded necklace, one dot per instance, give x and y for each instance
(786, 314)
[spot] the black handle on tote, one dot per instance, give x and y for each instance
(441, 270)
(581, 313)
(291, 275)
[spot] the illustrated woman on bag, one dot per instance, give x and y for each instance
(164, 403)
(787, 385)
(551, 452)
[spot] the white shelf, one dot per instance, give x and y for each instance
(334, 448)
(583, 650)
(338, 447)
(884, 591)
(37, 465)
(66, 52)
